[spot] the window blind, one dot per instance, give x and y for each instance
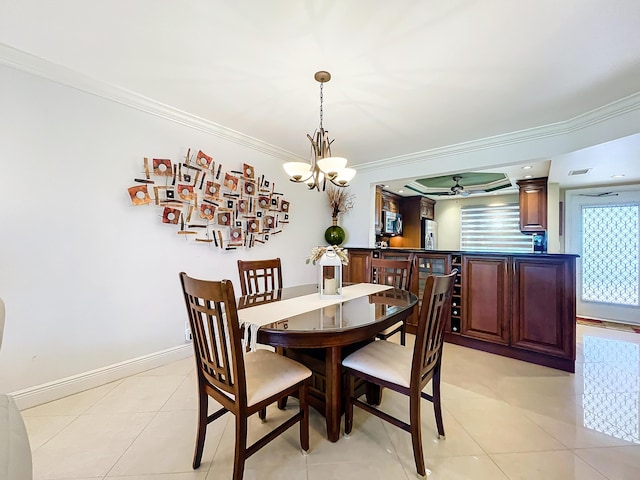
(493, 229)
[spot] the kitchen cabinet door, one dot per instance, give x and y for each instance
(533, 205)
(427, 208)
(544, 326)
(359, 264)
(390, 202)
(486, 298)
(377, 224)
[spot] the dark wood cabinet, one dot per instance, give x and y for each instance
(427, 208)
(390, 202)
(357, 271)
(411, 223)
(385, 202)
(533, 205)
(378, 214)
(519, 305)
(485, 290)
(553, 281)
(414, 210)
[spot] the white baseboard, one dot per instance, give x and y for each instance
(47, 392)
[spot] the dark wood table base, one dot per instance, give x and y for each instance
(328, 381)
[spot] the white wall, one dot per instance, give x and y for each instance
(88, 279)
(553, 219)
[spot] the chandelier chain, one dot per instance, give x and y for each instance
(321, 111)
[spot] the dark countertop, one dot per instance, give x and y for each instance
(457, 252)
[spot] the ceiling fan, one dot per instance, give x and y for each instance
(458, 189)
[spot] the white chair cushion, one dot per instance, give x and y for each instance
(15, 452)
(269, 373)
(385, 360)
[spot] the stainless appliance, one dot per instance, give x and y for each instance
(391, 223)
(429, 235)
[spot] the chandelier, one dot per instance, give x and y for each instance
(323, 165)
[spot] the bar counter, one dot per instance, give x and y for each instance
(520, 305)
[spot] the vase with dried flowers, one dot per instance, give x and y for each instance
(340, 201)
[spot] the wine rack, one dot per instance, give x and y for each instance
(456, 297)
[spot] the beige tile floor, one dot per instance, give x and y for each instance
(504, 419)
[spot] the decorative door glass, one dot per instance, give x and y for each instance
(610, 259)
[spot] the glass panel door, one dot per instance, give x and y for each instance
(603, 228)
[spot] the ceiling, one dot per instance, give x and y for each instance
(407, 76)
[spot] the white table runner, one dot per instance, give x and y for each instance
(253, 318)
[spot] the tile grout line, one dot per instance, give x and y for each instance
(151, 419)
(83, 412)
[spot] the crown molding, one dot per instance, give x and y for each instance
(40, 67)
(575, 124)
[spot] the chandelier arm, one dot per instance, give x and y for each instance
(314, 145)
(302, 180)
(338, 184)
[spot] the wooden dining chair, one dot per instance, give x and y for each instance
(260, 275)
(406, 370)
(243, 383)
(396, 273)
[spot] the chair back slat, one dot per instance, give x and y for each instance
(213, 318)
(395, 273)
(434, 311)
(260, 275)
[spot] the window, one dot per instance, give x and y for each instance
(493, 229)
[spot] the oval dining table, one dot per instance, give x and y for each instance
(321, 337)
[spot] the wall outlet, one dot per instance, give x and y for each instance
(187, 333)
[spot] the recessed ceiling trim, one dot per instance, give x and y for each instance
(466, 179)
(465, 184)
